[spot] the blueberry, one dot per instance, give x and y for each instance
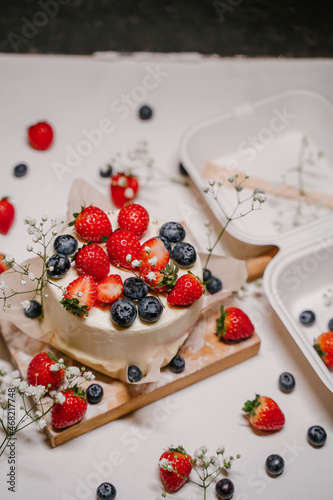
(182, 169)
(274, 464)
(330, 325)
(123, 312)
(145, 112)
(58, 266)
(184, 254)
(134, 288)
(214, 285)
(286, 382)
(106, 171)
(173, 231)
(307, 318)
(150, 309)
(225, 488)
(317, 435)
(20, 170)
(34, 310)
(166, 242)
(94, 393)
(206, 275)
(65, 244)
(177, 364)
(106, 491)
(134, 374)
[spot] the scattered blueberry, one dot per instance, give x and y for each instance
(184, 254)
(58, 266)
(20, 170)
(94, 393)
(286, 382)
(134, 288)
(166, 242)
(225, 488)
(106, 171)
(173, 231)
(317, 435)
(214, 285)
(307, 318)
(65, 244)
(145, 112)
(34, 310)
(134, 374)
(274, 464)
(206, 275)
(177, 364)
(182, 169)
(123, 312)
(106, 491)
(150, 309)
(330, 325)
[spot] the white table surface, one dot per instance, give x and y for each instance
(75, 93)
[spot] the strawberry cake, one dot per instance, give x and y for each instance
(91, 313)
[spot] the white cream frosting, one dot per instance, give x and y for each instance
(97, 342)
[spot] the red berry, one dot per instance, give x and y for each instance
(3, 267)
(135, 218)
(110, 289)
(233, 324)
(71, 411)
(324, 347)
(188, 289)
(92, 259)
(182, 465)
(84, 289)
(122, 245)
(264, 414)
(7, 213)
(40, 136)
(124, 188)
(40, 373)
(153, 249)
(92, 224)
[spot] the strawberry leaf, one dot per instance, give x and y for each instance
(74, 306)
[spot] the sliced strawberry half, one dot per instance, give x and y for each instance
(153, 250)
(80, 295)
(110, 289)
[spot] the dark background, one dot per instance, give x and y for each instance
(228, 27)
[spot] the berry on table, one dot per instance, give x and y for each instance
(123, 312)
(184, 254)
(233, 325)
(106, 171)
(7, 214)
(307, 318)
(94, 393)
(317, 435)
(225, 488)
(134, 374)
(150, 309)
(145, 112)
(72, 410)
(124, 188)
(177, 364)
(20, 170)
(40, 136)
(135, 288)
(65, 244)
(274, 464)
(106, 491)
(175, 467)
(324, 347)
(214, 285)
(34, 310)
(286, 382)
(57, 266)
(264, 413)
(173, 231)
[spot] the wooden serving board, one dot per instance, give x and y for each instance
(204, 355)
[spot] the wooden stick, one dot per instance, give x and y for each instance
(217, 172)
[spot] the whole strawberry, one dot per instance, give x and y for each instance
(72, 410)
(324, 347)
(124, 188)
(188, 289)
(233, 325)
(175, 467)
(264, 414)
(7, 214)
(40, 136)
(92, 224)
(135, 218)
(40, 371)
(92, 259)
(3, 267)
(123, 247)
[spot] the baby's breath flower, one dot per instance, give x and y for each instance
(29, 248)
(60, 398)
(31, 221)
(31, 276)
(15, 374)
(16, 382)
(38, 414)
(54, 233)
(129, 192)
(44, 218)
(72, 371)
(89, 376)
(147, 249)
(55, 367)
(79, 294)
(41, 423)
(3, 285)
(165, 464)
(23, 282)
(211, 182)
(151, 276)
(25, 304)
(8, 259)
(136, 263)
(128, 257)
(122, 181)
(23, 386)
(232, 178)
(153, 261)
